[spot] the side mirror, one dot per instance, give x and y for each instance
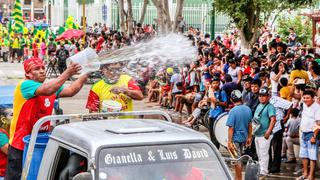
(83, 176)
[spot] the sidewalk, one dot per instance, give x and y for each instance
(11, 70)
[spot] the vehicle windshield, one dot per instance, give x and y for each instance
(160, 162)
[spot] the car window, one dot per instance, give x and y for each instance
(68, 164)
(195, 161)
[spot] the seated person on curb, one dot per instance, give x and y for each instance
(34, 99)
(114, 86)
(196, 113)
(174, 90)
(179, 96)
(218, 99)
(153, 91)
(187, 100)
(291, 136)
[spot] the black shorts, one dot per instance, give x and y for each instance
(14, 165)
(16, 51)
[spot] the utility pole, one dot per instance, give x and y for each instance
(118, 17)
(213, 22)
(84, 28)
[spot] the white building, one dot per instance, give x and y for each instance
(58, 11)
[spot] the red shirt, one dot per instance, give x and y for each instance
(27, 110)
(3, 157)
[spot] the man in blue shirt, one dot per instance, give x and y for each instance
(218, 99)
(240, 129)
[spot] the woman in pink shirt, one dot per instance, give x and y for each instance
(43, 49)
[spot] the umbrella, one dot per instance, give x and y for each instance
(69, 34)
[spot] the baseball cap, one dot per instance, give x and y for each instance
(311, 85)
(264, 91)
(310, 55)
(236, 94)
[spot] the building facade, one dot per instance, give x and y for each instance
(195, 12)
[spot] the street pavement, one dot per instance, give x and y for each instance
(12, 73)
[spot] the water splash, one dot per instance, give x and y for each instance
(158, 52)
(169, 49)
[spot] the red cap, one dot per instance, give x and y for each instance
(32, 63)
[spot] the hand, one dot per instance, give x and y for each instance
(118, 90)
(267, 135)
(73, 69)
(230, 146)
(248, 142)
(313, 140)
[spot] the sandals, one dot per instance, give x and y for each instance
(301, 178)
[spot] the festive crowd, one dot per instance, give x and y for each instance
(272, 96)
(38, 43)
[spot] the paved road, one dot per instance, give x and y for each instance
(11, 74)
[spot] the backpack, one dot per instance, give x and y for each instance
(52, 47)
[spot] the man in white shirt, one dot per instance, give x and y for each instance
(310, 118)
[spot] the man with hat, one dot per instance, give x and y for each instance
(264, 121)
(34, 99)
(240, 129)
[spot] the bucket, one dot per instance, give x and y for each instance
(88, 59)
(111, 106)
(40, 146)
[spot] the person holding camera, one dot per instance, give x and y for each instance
(240, 129)
(263, 124)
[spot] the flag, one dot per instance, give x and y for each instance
(17, 16)
(10, 26)
(69, 24)
(60, 30)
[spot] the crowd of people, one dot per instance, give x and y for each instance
(278, 82)
(277, 85)
(18, 47)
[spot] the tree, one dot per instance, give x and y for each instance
(130, 17)
(248, 15)
(301, 25)
(178, 14)
(160, 14)
(164, 21)
(143, 11)
(122, 15)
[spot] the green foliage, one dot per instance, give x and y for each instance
(301, 25)
(242, 10)
(87, 1)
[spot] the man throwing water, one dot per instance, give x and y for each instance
(34, 99)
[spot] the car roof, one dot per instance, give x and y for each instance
(88, 136)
